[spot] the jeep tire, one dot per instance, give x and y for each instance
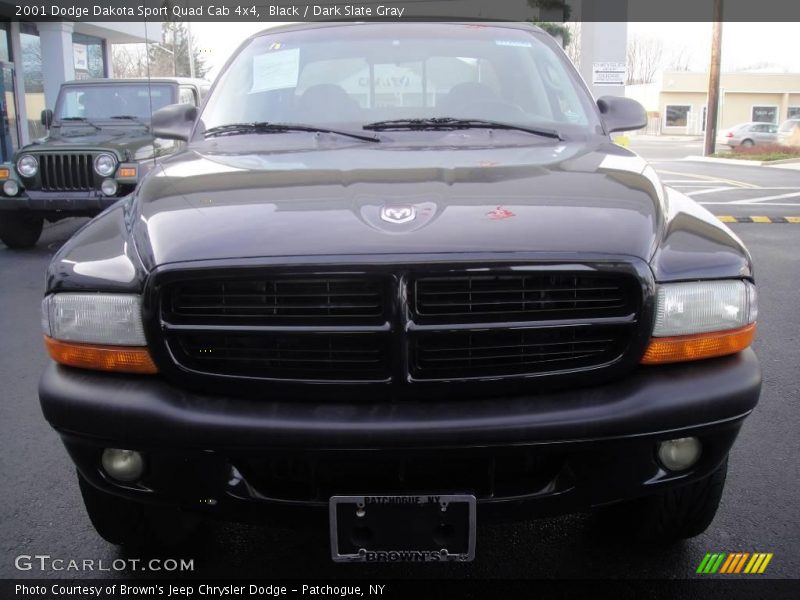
(20, 230)
(671, 516)
(131, 524)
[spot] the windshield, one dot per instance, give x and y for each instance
(97, 101)
(355, 75)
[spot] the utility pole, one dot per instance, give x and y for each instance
(713, 80)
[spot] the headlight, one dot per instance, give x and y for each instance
(10, 187)
(105, 164)
(684, 308)
(701, 320)
(27, 165)
(96, 331)
(109, 186)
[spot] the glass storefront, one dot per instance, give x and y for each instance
(25, 86)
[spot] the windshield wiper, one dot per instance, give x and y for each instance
(133, 118)
(439, 123)
(81, 120)
(266, 127)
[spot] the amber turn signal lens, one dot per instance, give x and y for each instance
(122, 359)
(4, 174)
(702, 345)
(126, 172)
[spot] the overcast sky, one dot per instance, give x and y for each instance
(744, 44)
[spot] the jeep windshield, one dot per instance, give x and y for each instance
(128, 102)
(397, 78)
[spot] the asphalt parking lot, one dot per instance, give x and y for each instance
(42, 512)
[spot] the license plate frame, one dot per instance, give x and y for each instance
(384, 512)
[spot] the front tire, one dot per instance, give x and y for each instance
(671, 516)
(131, 524)
(20, 230)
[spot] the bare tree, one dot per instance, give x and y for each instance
(167, 58)
(130, 60)
(765, 66)
(644, 59)
(573, 49)
(680, 60)
(171, 56)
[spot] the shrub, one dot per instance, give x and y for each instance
(769, 149)
(766, 152)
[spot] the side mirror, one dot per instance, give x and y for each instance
(174, 122)
(47, 117)
(621, 114)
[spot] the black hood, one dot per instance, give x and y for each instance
(124, 139)
(565, 198)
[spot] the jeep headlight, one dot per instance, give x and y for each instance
(96, 331)
(702, 319)
(27, 165)
(105, 165)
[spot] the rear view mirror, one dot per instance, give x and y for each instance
(174, 122)
(47, 117)
(621, 114)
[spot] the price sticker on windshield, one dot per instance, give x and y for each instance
(276, 70)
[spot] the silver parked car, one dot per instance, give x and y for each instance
(750, 134)
(789, 132)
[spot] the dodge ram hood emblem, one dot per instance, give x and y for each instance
(398, 214)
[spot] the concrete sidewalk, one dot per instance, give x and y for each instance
(792, 165)
(789, 163)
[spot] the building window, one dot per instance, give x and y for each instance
(765, 114)
(793, 112)
(88, 57)
(32, 76)
(678, 115)
(5, 52)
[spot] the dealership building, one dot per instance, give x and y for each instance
(677, 100)
(37, 57)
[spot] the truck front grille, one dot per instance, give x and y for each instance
(449, 355)
(519, 297)
(401, 326)
(278, 300)
(276, 355)
(66, 172)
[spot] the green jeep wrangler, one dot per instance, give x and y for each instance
(98, 147)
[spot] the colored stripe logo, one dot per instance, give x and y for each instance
(734, 563)
(758, 219)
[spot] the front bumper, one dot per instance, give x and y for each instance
(81, 203)
(554, 452)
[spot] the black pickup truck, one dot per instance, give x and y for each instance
(98, 147)
(400, 280)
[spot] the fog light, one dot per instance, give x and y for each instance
(679, 454)
(109, 187)
(10, 188)
(123, 465)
